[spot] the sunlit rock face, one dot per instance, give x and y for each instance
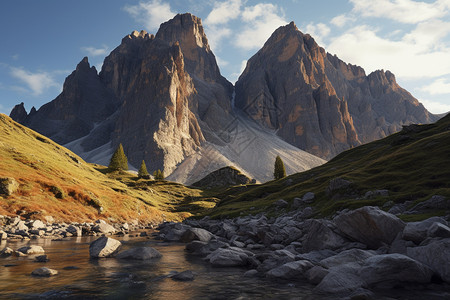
(317, 102)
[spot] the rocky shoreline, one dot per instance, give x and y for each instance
(350, 255)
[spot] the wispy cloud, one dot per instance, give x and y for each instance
(151, 13)
(92, 51)
(223, 12)
(261, 21)
(435, 106)
(440, 86)
(36, 83)
(318, 32)
(404, 11)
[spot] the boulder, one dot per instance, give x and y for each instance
(436, 255)
(390, 269)
(320, 236)
(196, 234)
(104, 228)
(308, 197)
(184, 276)
(44, 271)
(104, 247)
(281, 203)
(370, 226)
(36, 225)
(337, 184)
(42, 258)
(8, 186)
(140, 253)
(316, 274)
(75, 230)
(294, 269)
(230, 257)
(417, 231)
(30, 250)
(341, 280)
(5, 252)
(3, 235)
(438, 230)
(348, 256)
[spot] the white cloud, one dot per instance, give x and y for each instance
(440, 86)
(223, 12)
(403, 11)
(222, 63)
(151, 13)
(216, 34)
(36, 82)
(261, 21)
(235, 76)
(341, 20)
(92, 51)
(435, 107)
(318, 32)
(407, 57)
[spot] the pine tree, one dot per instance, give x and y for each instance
(158, 175)
(279, 171)
(143, 170)
(118, 160)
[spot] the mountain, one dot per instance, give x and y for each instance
(40, 178)
(317, 102)
(402, 173)
(162, 96)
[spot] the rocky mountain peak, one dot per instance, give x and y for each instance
(18, 113)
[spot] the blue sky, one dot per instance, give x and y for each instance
(42, 41)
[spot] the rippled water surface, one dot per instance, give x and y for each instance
(84, 278)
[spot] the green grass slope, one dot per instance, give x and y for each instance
(412, 165)
(54, 181)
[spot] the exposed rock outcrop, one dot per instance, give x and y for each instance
(226, 176)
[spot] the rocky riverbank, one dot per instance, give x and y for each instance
(351, 254)
(15, 228)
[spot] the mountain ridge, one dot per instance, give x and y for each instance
(162, 96)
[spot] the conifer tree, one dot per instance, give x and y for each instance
(279, 171)
(158, 175)
(143, 170)
(118, 160)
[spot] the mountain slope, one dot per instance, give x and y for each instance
(317, 102)
(411, 165)
(54, 181)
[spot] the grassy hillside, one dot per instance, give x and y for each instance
(54, 181)
(412, 165)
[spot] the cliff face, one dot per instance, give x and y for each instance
(317, 102)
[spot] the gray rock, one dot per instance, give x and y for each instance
(308, 197)
(75, 230)
(390, 269)
(316, 256)
(417, 231)
(436, 255)
(44, 271)
(6, 252)
(281, 203)
(438, 230)
(37, 224)
(104, 247)
(319, 236)
(8, 186)
(435, 202)
(294, 269)
(197, 234)
(337, 184)
(42, 258)
(140, 253)
(341, 280)
(376, 193)
(30, 250)
(231, 257)
(20, 226)
(316, 274)
(184, 276)
(104, 228)
(251, 273)
(370, 226)
(349, 256)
